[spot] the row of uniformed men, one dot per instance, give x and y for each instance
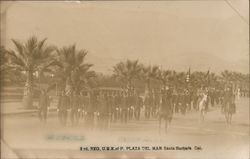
(119, 105)
(116, 106)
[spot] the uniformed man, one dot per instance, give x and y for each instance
(103, 111)
(124, 107)
(183, 102)
(187, 99)
(195, 97)
(117, 101)
(166, 109)
(110, 107)
(213, 96)
(147, 106)
(227, 98)
(43, 106)
(89, 107)
(130, 105)
(113, 106)
(63, 105)
(138, 106)
(75, 106)
(153, 106)
(175, 100)
(156, 103)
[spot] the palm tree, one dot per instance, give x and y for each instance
(127, 72)
(4, 59)
(3, 65)
(30, 57)
(181, 79)
(212, 80)
(164, 76)
(226, 75)
(72, 71)
(150, 73)
(82, 78)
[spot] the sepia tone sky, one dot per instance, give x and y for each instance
(172, 34)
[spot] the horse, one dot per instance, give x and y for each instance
(229, 105)
(165, 112)
(229, 110)
(202, 106)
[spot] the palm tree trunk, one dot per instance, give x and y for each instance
(28, 91)
(130, 84)
(164, 85)
(68, 87)
(147, 86)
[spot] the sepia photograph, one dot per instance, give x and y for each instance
(124, 79)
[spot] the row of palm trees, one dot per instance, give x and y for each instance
(36, 59)
(153, 76)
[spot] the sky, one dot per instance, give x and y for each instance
(176, 35)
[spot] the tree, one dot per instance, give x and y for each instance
(165, 76)
(150, 73)
(4, 59)
(72, 71)
(30, 57)
(127, 72)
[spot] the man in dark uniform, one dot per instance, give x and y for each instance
(98, 107)
(156, 103)
(179, 101)
(124, 108)
(166, 108)
(183, 102)
(63, 105)
(43, 106)
(147, 106)
(217, 96)
(153, 106)
(117, 102)
(208, 99)
(175, 100)
(113, 106)
(196, 100)
(138, 106)
(103, 110)
(89, 105)
(110, 106)
(227, 98)
(212, 96)
(107, 110)
(131, 105)
(187, 99)
(75, 106)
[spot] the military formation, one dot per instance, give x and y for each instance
(100, 108)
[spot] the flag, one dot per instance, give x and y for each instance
(188, 75)
(208, 73)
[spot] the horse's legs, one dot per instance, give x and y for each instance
(160, 124)
(203, 115)
(166, 125)
(200, 116)
(230, 118)
(226, 116)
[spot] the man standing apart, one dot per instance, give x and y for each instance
(43, 106)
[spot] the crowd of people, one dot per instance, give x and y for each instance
(101, 108)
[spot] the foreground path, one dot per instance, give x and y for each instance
(29, 138)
